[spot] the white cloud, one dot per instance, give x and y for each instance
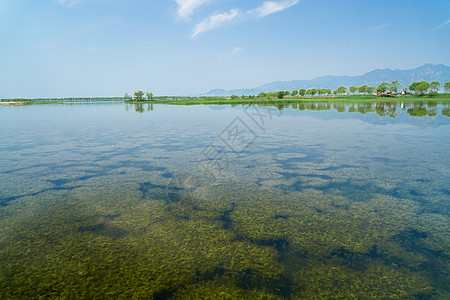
(67, 2)
(442, 25)
(214, 21)
(270, 7)
(186, 7)
(233, 52)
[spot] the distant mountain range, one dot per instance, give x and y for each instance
(427, 72)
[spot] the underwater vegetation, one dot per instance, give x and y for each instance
(224, 241)
(322, 205)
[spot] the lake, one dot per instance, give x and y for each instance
(301, 201)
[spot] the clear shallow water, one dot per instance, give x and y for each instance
(190, 202)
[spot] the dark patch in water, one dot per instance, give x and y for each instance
(354, 192)
(250, 280)
(164, 294)
(152, 191)
(289, 175)
(355, 261)
(325, 177)
(411, 239)
(311, 157)
(167, 175)
(423, 180)
(209, 275)
(447, 192)
(143, 165)
(416, 193)
(5, 201)
(385, 160)
(338, 168)
(280, 217)
(225, 217)
(111, 217)
(104, 230)
(281, 245)
(59, 182)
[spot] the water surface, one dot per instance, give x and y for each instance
(303, 201)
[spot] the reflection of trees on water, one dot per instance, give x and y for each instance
(446, 111)
(139, 107)
(388, 109)
(393, 109)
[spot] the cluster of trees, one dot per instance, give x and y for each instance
(394, 87)
(432, 87)
(139, 96)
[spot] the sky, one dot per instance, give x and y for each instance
(90, 48)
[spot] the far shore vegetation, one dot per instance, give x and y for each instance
(416, 91)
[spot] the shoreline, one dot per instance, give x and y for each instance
(348, 99)
(442, 99)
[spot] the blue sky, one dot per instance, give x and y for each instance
(63, 48)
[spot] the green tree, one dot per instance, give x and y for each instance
(447, 86)
(434, 86)
(370, 90)
(422, 87)
(395, 86)
(294, 93)
(262, 95)
(382, 88)
(313, 92)
(413, 86)
(149, 96)
(353, 89)
(302, 92)
(139, 95)
(126, 96)
(280, 94)
(341, 90)
(234, 96)
(363, 89)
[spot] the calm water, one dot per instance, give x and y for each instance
(311, 201)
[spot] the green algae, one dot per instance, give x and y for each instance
(300, 245)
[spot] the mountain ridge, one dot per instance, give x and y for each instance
(426, 72)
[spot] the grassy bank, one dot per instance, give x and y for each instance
(441, 98)
(268, 101)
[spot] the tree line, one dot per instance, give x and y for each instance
(418, 87)
(139, 96)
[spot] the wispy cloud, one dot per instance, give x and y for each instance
(442, 25)
(187, 7)
(271, 7)
(214, 21)
(378, 27)
(233, 52)
(67, 2)
(218, 19)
